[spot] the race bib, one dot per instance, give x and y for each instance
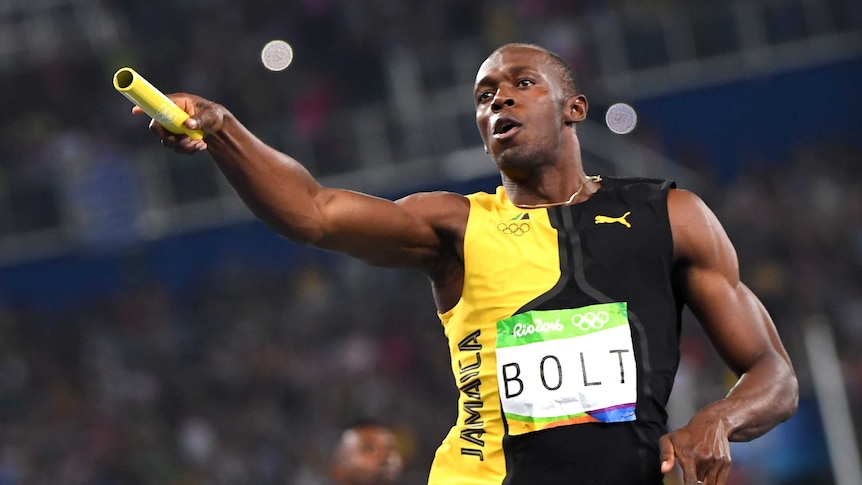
(566, 367)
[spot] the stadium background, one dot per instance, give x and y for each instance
(152, 332)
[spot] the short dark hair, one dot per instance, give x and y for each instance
(361, 423)
(366, 422)
(567, 75)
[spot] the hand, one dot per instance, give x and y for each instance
(702, 449)
(203, 114)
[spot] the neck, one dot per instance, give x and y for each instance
(575, 196)
(538, 177)
(551, 184)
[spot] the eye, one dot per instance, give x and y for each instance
(484, 96)
(524, 82)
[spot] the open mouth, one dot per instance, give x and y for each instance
(505, 127)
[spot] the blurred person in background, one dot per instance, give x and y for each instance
(366, 454)
(527, 280)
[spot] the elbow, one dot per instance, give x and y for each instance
(785, 399)
(790, 399)
(305, 231)
(775, 398)
(785, 395)
(303, 236)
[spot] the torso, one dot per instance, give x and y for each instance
(554, 266)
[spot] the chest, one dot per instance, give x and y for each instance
(609, 241)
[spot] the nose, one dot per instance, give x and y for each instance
(502, 98)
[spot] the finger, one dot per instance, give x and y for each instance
(668, 458)
(208, 118)
(183, 100)
(193, 146)
(689, 471)
(184, 144)
(171, 140)
(716, 471)
(721, 476)
(136, 110)
(707, 472)
(713, 467)
(158, 129)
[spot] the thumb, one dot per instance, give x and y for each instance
(668, 457)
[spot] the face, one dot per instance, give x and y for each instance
(367, 456)
(521, 109)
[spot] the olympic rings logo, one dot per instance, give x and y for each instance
(515, 228)
(590, 320)
(165, 115)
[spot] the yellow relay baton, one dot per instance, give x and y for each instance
(154, 103)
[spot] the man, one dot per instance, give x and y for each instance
(560, 294)
(366, 455)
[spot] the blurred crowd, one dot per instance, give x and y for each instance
(248, 377)
(62, 117)
(60, 113)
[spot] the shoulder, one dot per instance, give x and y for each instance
(638, 188)
(438, 201)
(697, 232)
(446, 213)
(442, 210)
(685, 207)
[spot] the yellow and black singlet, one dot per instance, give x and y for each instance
(565, 341)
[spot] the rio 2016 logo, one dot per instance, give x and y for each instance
(521, 330)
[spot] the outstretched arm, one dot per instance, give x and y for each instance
(413, 231)
(744, 335)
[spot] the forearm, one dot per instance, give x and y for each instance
(277, 188)
(765, 395)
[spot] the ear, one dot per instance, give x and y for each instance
(576, 109)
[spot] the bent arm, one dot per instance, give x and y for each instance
(743, 333)
(285, 196)
(766, 392)
(736, 322)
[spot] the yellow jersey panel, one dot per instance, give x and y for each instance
(511, 258)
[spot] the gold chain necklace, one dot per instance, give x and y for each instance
(590, 178)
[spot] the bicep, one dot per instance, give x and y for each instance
(407, 232)
(733, 318)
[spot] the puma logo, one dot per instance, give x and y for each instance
(610, 220)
